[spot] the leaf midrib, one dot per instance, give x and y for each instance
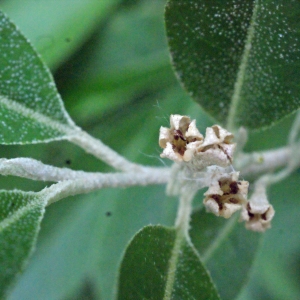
(242, 71)
(38, 117)
(16, 216)
(173, 264)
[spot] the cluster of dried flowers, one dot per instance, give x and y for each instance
(226, 194)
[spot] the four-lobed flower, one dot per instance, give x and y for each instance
(183, 142)
(226, 194)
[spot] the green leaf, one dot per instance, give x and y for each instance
(20, 217)
(225, 247)
(238, 59)
(57, 29)
(65, 260)
(31, 109)
(159, 263)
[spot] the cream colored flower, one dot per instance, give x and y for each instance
(226, 195)
(174, 140)
(217, 147)
(258, 212)
(184, 143)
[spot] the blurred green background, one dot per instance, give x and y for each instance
(112, 67)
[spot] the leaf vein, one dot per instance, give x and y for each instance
(236, 96)
(38, 117)
(173, 265)
(18, 214)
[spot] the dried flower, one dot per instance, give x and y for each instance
(174, 140)
(217, 148)
(226, 195)
(258, 212)
(184, 142)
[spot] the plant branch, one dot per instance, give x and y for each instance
(35, 170)
(262, 162)
(256, 164)
(187, 194)
(101, 151)
(78, 182)
(68, 188)
(291, 166)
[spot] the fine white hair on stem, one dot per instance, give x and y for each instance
(232, 168)
(157, 157)
(165, 117)
(36, 170)
(201, 180)
(101, 151)
(32, 169)
(157, 105)
(68, 188)
(87, 181)
(270, 160)
(187, 193)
